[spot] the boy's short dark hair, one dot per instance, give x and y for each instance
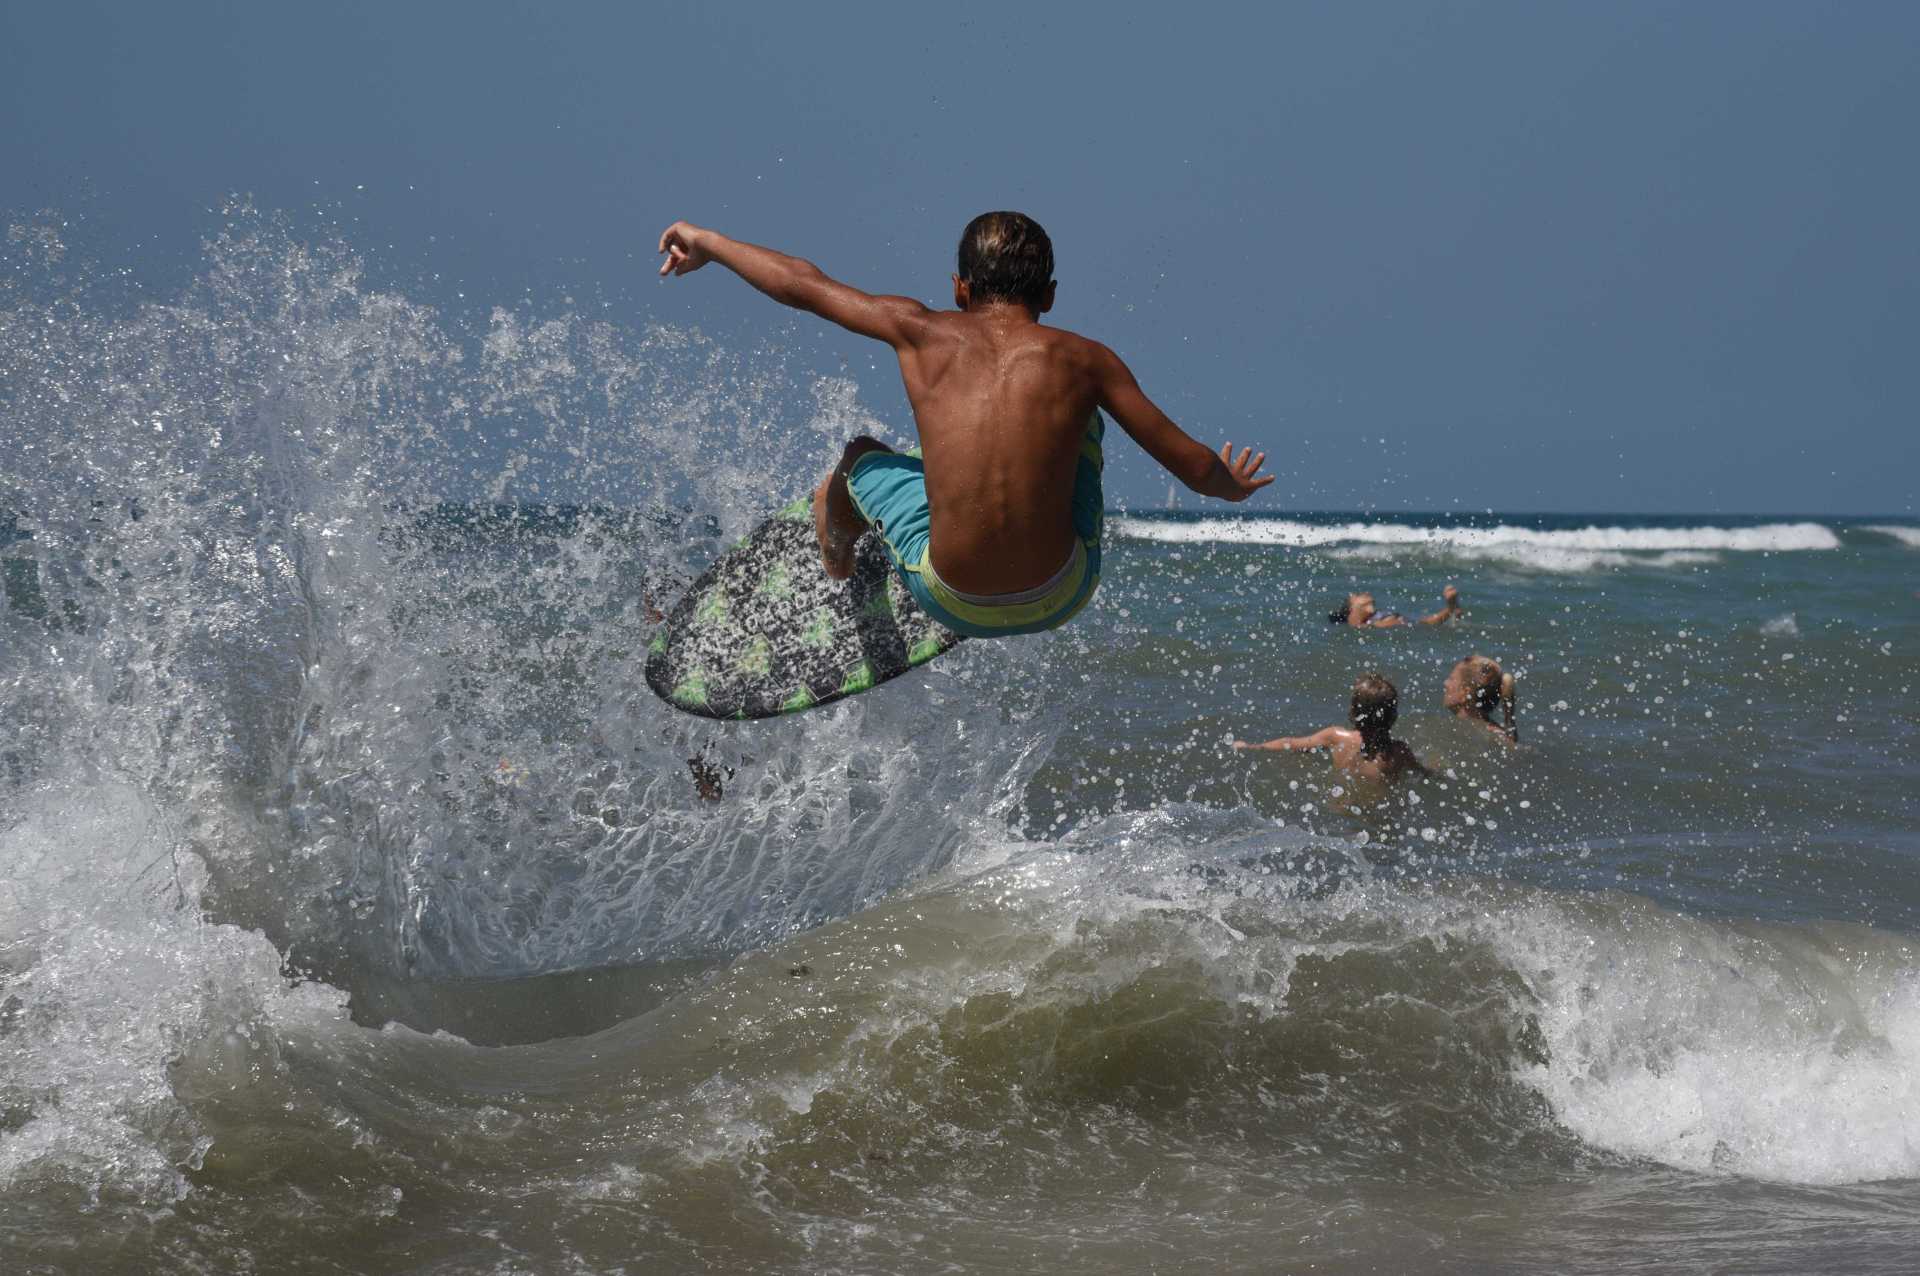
(1376, 703)
(1006, 257)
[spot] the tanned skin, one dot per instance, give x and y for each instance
(1364, 613)
(1388, 760)
(1002, 404)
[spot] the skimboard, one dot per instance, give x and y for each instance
(765, 631)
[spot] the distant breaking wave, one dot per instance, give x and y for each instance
(1568, 550)
(1908, 536)
(1767, 536)
(1539, 558)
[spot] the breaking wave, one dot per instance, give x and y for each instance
(1763, 538)
(1908, 536)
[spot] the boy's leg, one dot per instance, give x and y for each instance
(835, 521)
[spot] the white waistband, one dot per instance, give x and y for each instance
(1018, 597)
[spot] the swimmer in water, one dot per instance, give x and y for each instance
(1367, 749)
(1476, 686)
(1359, 612)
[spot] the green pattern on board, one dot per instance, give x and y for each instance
(691, 692)
(763, 631)
(819, 633)
(779, 582)
(758, 660)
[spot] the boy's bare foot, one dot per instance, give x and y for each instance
(835, 521)
(836, 545)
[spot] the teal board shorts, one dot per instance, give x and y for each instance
(889, 490)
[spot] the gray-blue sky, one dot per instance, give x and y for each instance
(1524, 256)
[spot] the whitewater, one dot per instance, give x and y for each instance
(362, 911)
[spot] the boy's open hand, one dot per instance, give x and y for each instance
(686, 252)
(1243, 471)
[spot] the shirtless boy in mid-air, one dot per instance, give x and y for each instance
(1367, 749)
(997, 531)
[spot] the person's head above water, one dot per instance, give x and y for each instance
(1374, 709)
(1357, 610)
(1004, 258)
(1473, 687)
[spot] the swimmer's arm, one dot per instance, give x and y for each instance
(1450, 607)
(793, 281)
(1186, 459)
(1325, 738)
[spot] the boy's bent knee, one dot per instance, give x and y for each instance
(859, 447)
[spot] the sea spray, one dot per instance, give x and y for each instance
(356, 597)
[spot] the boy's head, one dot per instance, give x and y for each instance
(1357, 610)
(1474, 686)
(1376, 704)
(1005, 257)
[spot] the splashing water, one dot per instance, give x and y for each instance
(324, 620)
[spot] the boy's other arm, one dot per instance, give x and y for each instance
(1187, 460)
(792, 281)
(1325, 738)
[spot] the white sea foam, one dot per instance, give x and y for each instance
(1765, 537)
(120, 992)
(1908, 536)
(1782, 627)
(1762, 1053)
(1536, 558)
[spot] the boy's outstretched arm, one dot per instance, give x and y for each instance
(794, 282)
(1189, 461)
(1325, 738)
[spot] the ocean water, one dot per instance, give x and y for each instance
(361, 911)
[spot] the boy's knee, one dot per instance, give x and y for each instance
(860, 446)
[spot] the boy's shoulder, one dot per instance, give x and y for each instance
(1044, 334)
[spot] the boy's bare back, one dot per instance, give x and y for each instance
(1002, 403)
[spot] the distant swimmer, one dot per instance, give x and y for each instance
(1367, 749)
(997, 531)
(1359, 612)
(1475, 687)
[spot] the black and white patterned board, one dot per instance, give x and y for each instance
(765, 631)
